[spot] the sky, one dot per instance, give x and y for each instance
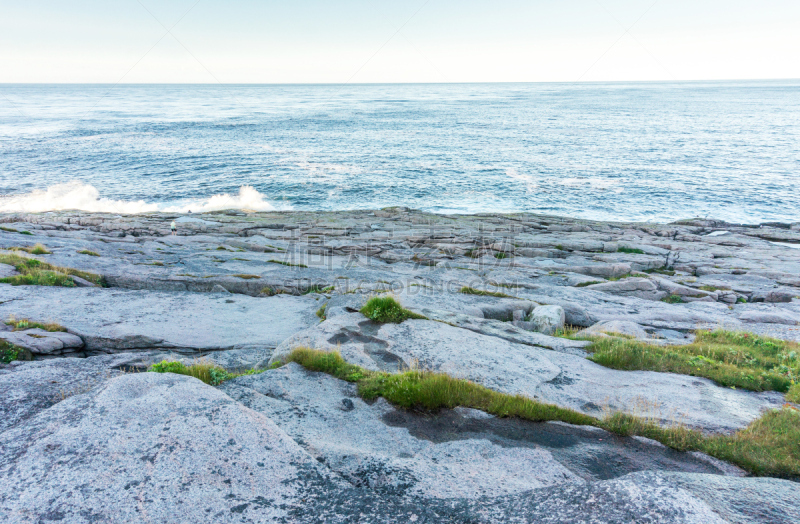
(362, 41)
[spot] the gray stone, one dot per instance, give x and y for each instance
(616, 327)
(82, 282)
(547, 319)
(41, 342)
(7, 271)
(121, 320)
(551, 376)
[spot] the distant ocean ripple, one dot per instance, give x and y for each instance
(617, 151)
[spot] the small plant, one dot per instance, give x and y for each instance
(316, 288)
(87, 252)
(9, 353)
(24, 323)
(472, 291)
(661, 271)
(741, 300)
(37, 249)
(559, 247)
(591, 283)
(500, 255)
(711, 288)
(321, 312)
(387, 310)
(9, 229)
(246, 277)
(630, 250)
(673, 299)
(207, 372)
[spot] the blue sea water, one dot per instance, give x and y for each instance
(613, 151)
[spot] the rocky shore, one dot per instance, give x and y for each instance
(86, 436)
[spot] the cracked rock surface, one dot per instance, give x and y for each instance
(85, 436)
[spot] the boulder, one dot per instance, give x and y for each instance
(547, 319)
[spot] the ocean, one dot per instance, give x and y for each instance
(606, 151)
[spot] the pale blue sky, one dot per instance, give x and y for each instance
(240, 41)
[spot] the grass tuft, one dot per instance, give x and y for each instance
(34, 272)
(203, 370)
(673, 299)
(590, 283)
(387, 310)
(246, 277)
(739, 360)
(24, 323)
(37, 249)
(87, 252)
(768, 446)
(501, 255)
(630, 250)
(321, 312)
(472, 291)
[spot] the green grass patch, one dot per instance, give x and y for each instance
(316, 288)
(9, 353)
(37, 249)
(768, 446)
(87, 252)
(673, 299)
(712, 288)
(661, 271)
(630, 250)
(472, 291)
(206, 371)
(321, 312)
(34, 272)
(501, 255)
(246, 277)
(793, 395)
(585, 284)
(387, 310)
(286, 263)
(739, 360)
(24, 323)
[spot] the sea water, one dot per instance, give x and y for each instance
(611, 151)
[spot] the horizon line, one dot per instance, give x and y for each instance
(665, 81)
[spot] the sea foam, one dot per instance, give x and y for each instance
(85, 197)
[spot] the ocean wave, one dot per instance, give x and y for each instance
(85, 197)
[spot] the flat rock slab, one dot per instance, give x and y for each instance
(30, 387)
(169, 449)
(462, 453)
(41, 342)
(112, 320)
(550, 376)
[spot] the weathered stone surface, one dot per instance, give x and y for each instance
(41, 342)
(616, 327)
(234, 464)
(373, 463)
(551, 376)
(547, 319)
(7, 271)
(121, 320)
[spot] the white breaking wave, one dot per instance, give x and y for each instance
(85, 197)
